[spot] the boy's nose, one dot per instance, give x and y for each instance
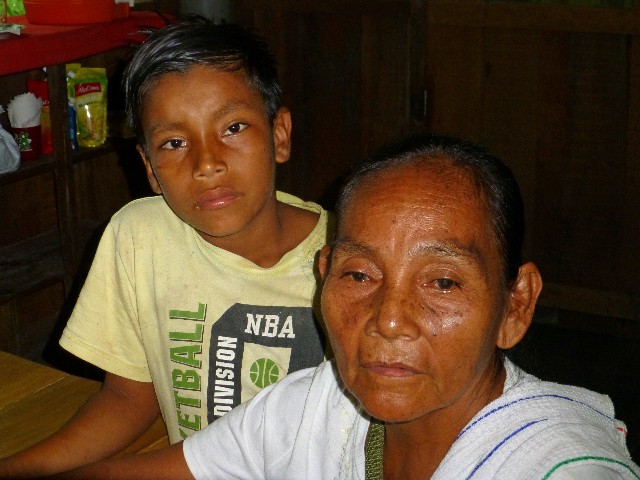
(394, 314)
(209, 161)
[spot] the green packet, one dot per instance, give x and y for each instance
(15, 7)
(90, 92)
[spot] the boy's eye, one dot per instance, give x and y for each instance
(235, 128)
(173, 144)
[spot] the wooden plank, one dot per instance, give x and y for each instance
(535, 17)
(43, 412)
(36, 400)
(356, 7)
(31, 198)
(28, 169)
(19, 379)
(29, 265)
(386, 75)
(629, 258)
(8, 321)
(509, 98)
(586, 239)
(454, 88)
(591, 301)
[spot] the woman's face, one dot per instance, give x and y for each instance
(413, 296)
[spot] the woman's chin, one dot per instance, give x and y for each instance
(392, 409)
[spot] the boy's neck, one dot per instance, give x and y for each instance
(266, 245)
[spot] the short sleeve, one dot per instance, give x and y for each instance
(104, 328)
(257, 439)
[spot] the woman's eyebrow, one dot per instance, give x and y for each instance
(448, 249)
(445, 249)
(469, 254)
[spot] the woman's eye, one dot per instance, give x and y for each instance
(357, 276)
(445, 283)
(173, 144)
(235, 128)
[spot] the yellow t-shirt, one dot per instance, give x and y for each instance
(209, 328)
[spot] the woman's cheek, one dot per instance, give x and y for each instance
(441, 318)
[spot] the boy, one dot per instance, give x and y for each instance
(201, 296)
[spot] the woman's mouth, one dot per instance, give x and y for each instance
(391, 369)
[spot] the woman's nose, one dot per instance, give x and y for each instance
(394, 314)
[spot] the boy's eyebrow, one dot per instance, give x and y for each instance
(223, 110)
(154, 127)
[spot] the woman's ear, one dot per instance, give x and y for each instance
(151, 176)
(282, 135)
(324, 261)
(521, 305)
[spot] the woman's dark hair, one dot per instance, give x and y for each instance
(494, 180)
(196, 40)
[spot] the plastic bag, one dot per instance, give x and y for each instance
(9, 152)
(90, 91)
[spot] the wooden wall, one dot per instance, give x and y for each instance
(349, 72)
(552, 90)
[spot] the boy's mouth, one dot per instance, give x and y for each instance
(216, 198)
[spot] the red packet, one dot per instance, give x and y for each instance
(40, 89)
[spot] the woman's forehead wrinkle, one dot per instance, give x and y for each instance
(346, 244)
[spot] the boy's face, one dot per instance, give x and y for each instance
(211, 151)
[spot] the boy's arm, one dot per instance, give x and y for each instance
(167, 463)
(112, 419)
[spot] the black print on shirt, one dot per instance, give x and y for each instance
(258, 338)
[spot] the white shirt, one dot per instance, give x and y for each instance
(306, 427)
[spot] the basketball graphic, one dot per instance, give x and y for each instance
(264, 372)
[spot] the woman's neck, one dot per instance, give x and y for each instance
(415, 449)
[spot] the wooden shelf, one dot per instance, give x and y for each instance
(84, 154)
(45, 164)
(37, 262)
(28, 169)
(30, 265)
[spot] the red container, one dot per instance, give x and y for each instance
(28, 140)
(73, 12)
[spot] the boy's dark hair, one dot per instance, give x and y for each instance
(195, 40)
(495, 181)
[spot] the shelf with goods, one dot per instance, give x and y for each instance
(54, 205)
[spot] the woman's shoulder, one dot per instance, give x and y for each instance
(537, 428)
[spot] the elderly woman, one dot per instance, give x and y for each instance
(424, 288)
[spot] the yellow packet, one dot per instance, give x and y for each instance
(90, 92)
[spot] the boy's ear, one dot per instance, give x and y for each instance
(521, 304)
(324, 261)
(151, 176)
(282, 135)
